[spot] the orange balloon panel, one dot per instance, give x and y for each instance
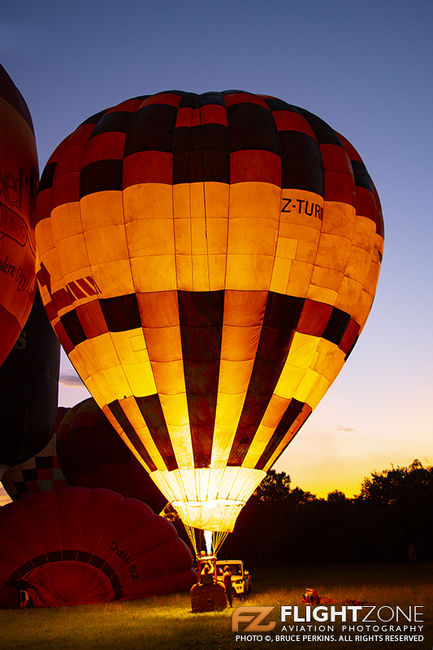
(208, 262)
(18, 178)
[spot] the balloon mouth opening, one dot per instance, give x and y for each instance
(218, 515)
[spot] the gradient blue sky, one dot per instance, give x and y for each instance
(365, 68)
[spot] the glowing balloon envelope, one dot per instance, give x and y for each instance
(208, 262)
(18, 182)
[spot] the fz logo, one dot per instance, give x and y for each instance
(253, 616)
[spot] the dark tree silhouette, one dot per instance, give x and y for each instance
(284, 524)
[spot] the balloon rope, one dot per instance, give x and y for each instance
(218, 539)
(191, 534)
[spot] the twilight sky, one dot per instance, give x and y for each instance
(366, 69)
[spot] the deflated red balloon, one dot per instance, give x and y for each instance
(79, 546)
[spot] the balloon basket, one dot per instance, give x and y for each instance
(207, 598)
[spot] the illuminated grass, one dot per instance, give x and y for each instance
(167, 622)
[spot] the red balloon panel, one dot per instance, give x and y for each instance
(80, 545)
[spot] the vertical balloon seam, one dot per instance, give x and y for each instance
(153, 434)
(129, 256)
(114, 348)
(248, 475)
(190, 462)
(83, 153)
(58, 153)
(276, 433)
(283, 443)
(96, 121)
(375, 217)
(259, 464)
(244, 453)
(227, 239)
(184, 378)
(356, 216)
(197, 119)
(226, 96)
(231, 181)
(196, 110)
(213, 461)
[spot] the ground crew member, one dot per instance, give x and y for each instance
(26, 601)
(227, 579)
(206, 576)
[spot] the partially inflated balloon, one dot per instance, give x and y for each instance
(208, 262)
(78, 546)
(18, 180)
(91, 454)
(28, 389)
(39, 473)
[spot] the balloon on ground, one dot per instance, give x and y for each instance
(208, 263)
(91, 454)
(18, 184)
(79, 546)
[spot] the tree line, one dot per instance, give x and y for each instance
(391, 516)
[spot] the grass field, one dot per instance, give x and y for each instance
(167, 622)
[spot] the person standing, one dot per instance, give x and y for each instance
(207, 575)
(227, 579)
(25, 600)
(411, 553)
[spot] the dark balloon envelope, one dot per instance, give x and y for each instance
(18, 184)
(79, 546)
(29, 389)
(92, 454)
(39, 473)
(208, 263)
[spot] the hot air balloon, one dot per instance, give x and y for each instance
(79, 546)
(208, 262)
(91, 454)
(39, 473)
(18, 182)
(28, 390)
